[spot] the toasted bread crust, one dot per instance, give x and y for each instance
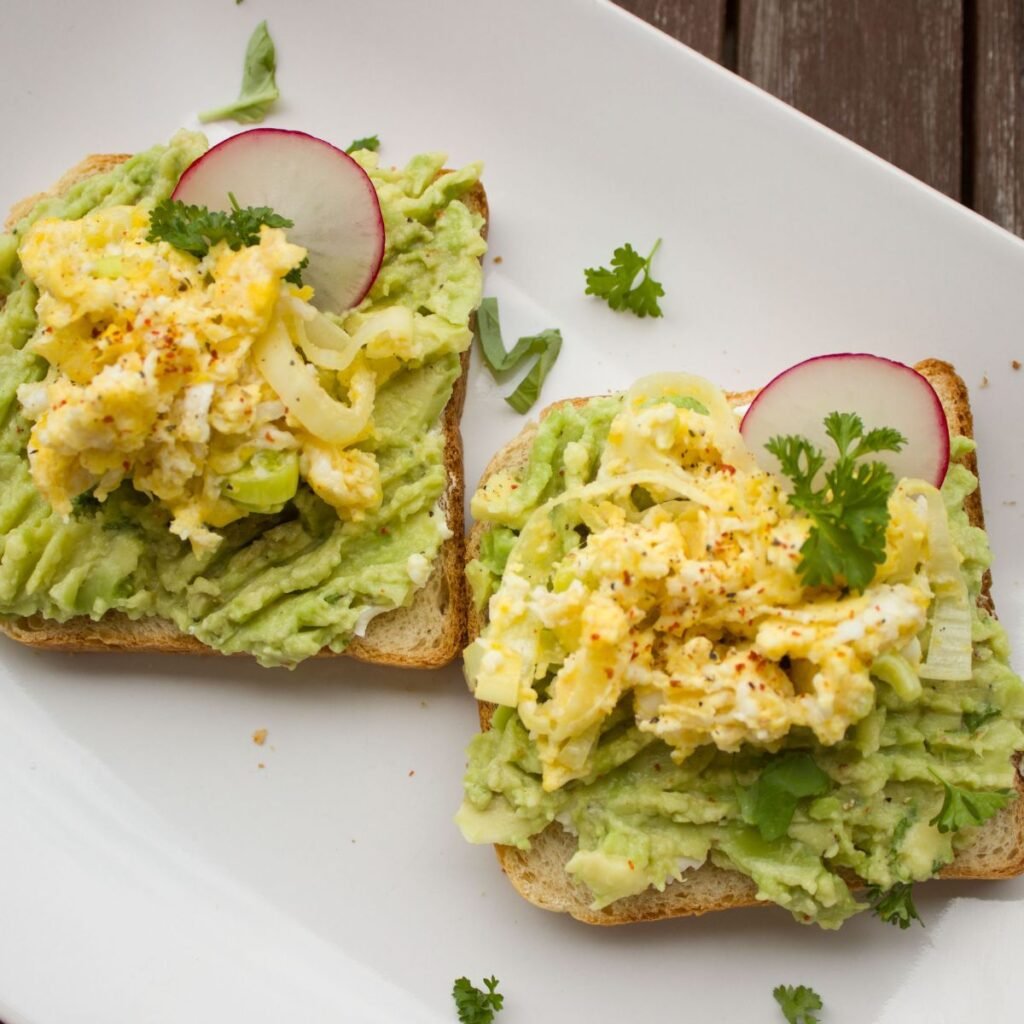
(427, 633)
(539, 874)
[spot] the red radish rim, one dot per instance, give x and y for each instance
(936, 401)
(372, 277)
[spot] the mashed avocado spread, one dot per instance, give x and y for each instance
(833, 756)
(283, 584)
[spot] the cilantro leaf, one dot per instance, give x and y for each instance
(974, 720)
(371, 142)
(964, 808)
(850, 512)
(195, 229)
(545, 346)
(797, 1002)
(474, 1006)
(770, 802)
(259, 86)
(895, 905)
(618, 285)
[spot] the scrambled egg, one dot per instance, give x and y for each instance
(155, 375)
(693, 603)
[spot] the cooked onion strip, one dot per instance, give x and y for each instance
(297, 386)
(325, 344)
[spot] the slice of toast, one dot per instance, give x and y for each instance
(427, 633)
(539, 874)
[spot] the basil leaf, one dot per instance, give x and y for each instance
(529, 387)
(770, 802)
(259, 87)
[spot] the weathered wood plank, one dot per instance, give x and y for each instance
(885, 73)
(699, 24)
(997, 145)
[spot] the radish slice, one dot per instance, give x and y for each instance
(323, 190)
(882, 392)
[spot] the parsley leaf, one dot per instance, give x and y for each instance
(618, 287)
(850, 512)
(797, 1002)
(196, 229)
(974, 720)
(474, 1006)
(895, 905)
(770, 802)
(545, 346)
(259, 86)
(371, 142)
(964, 808)
(294, 276)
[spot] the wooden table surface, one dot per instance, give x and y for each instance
(933, 86)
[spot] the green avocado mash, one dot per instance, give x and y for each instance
(280, 586)
(864, 805)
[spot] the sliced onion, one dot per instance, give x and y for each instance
(305, 399)
(395, 324)
(325, 344)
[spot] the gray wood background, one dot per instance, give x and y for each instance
(933, 86)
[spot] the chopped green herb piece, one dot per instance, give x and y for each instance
(371, 142)
(475, 1006)
(545, 346)
(769, 803)
(895, 905)
(618, 285)
(974, 720)
(850, 512)
(259, 86)
(797, 1002)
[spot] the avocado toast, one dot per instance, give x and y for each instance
(298, 581)
(663, 839)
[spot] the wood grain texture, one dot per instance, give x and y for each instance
(699, 24)
(885, 73)
(997, 143)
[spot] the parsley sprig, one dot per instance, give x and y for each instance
(797, 1003)
(850, 512)
(618, 284)
(964, 808)
(475, 1006)
(895, 905)
(196, 229)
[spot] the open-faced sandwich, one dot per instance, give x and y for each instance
(219, 433)
(719, 668)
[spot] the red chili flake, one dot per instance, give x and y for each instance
(632, 867)
(595, 637)
(384, 531)
(728, 468)
(108, 419)
(411, 774)
(126, 465)
(268, 435)
(626, 577)
(609, 674)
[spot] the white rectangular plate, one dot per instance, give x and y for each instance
(150, 868)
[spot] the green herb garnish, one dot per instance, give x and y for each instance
(618, 285)
(770, 802)
(964, 808)
(196, 229)
(851, 511)
(474, 1006)
(371, 142)
(797, 1002)
(259, 86)
(545, 346)
(895, 905)
(974, 720)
